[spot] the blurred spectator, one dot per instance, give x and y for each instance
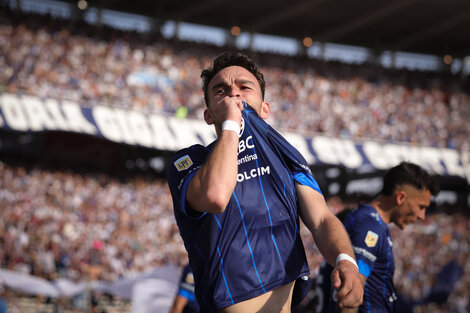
(3, 300)
(84, 227)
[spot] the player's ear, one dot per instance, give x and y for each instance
(265, 110)
(400, 196)
(208, 117)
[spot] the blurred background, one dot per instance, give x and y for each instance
(95, 97)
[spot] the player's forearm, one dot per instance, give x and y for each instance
(211, 187)
(332, 239)
(346, 310)
(328, 232)
(178, 304)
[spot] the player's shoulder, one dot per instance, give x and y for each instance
(194, 149)
(366, 213)
(365, 217)
(185, 161)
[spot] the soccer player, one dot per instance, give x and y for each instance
(406, 193)
(237, 204)
(185, 299)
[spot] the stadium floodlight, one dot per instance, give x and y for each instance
(235, 31)
(448, 59)
(307, 42)
(82, 5)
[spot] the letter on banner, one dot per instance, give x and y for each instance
(465, 157)
(300, 143)
(184, 131)
(162, 135)
(376, 156)
(139, 127)
(451, 160)
(172, 134)
(120, 118)
(53, 107)
(37, 114)
(75, 119)
(337, 151)
(104, 119)
(430, 158)
(12, 112)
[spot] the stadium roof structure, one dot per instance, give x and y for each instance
(436, 27)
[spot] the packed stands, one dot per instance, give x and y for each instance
(72, 60)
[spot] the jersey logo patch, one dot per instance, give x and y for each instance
(242, 127)
(183, 163)
(189, 278)
(371, 239)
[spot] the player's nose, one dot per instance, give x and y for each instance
(234, 92)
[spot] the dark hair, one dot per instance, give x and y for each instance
(227, 59)
(411, 174)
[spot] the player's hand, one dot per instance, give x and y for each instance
(229, 108)
(347, 283)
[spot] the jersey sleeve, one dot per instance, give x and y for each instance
(182, 168)
(186, 286)
(366, 239)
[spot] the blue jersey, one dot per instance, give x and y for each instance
(186, 289)
(373, 248)
(254, 246)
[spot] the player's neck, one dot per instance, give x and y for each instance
(380, 204)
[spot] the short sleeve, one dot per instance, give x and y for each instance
(182, 168)
(366, 239)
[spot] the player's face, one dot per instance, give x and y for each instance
(237, 82)
(412, 205)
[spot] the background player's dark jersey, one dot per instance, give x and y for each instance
(373, 248)
(186, 289)
(254, 246)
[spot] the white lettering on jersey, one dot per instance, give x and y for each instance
(244, 144)
(247, 158)
(365, 253)
(255, 172)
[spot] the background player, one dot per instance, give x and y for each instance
(185, 299)
(405, 196)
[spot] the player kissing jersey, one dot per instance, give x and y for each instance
(242, 253)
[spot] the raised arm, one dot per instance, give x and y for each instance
(332, 240)
(211, 187)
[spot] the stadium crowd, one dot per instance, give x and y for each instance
(430, 257)
(72, 60)
(89, 227)
(82, 227)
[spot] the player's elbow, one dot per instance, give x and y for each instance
(216, 201)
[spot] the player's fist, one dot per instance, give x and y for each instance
(347, 284)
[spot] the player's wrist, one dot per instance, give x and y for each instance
(346, 257)
(230, 125)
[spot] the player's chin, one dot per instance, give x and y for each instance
(402, 225)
